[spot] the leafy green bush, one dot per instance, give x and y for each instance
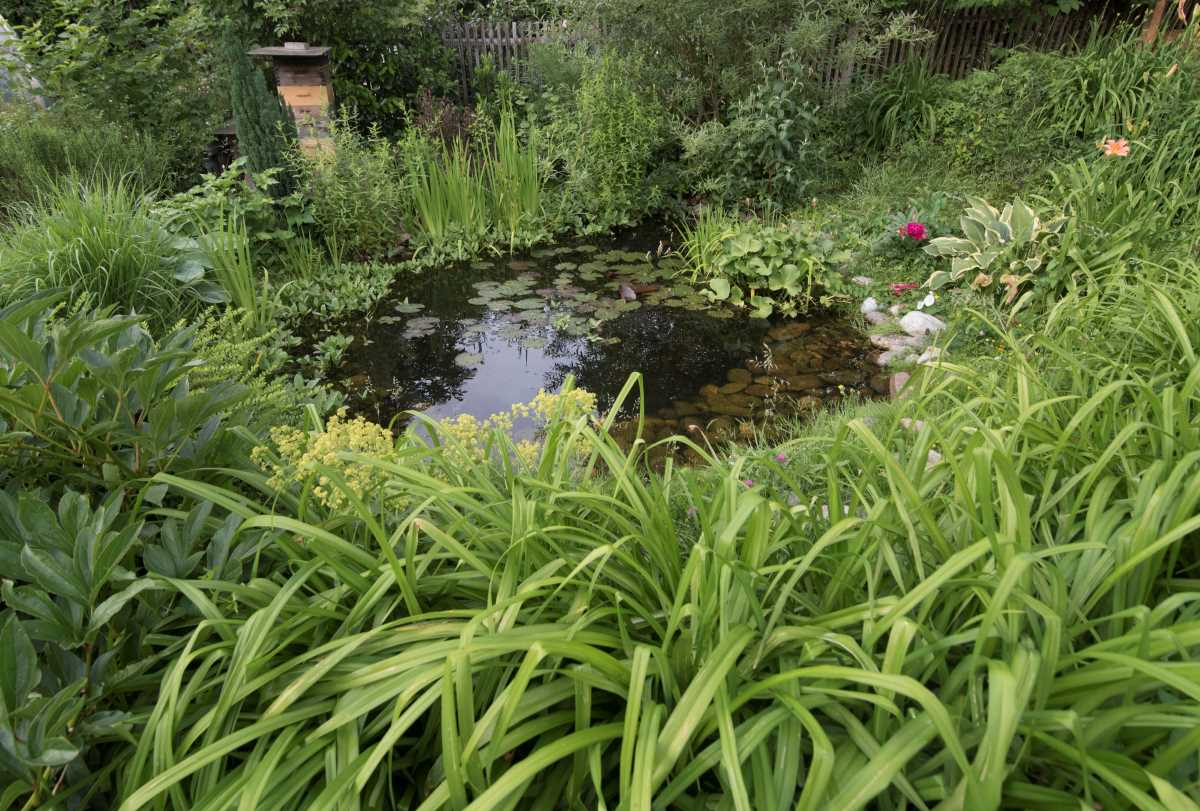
(146, 67)
(89, 399)
(768, 267)
(608, 143)
(39, 147)
(764, 153)
(102, 239)
(357, 192)
(264, 125)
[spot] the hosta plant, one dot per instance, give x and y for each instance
(1006, 246)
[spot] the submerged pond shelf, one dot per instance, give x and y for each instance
(479, 337)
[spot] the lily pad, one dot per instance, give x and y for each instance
(566, 266)
(529, 304)
(408, 307)
(468, 359)
(499, 304)
(520, 264)
(479, 301)
(673, 302)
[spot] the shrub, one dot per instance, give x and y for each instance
(102, 239)
(146, 67)
(358, 193)
(264, 125)
(40, 147)
(763, 155)
(89, 399)
(784, 267)
(609, 144)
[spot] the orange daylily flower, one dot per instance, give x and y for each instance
(1115, 147)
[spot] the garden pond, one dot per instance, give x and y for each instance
(477, 338)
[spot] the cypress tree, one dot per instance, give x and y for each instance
(264, 125)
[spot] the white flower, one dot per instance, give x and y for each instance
(926, 302)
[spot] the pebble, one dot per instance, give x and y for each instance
(876, 317)
(869, 305)
(930, 355)
(896, 383)
(917, 323)
(865, 281)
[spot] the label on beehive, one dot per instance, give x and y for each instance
(305, 95)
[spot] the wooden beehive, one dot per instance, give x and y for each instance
(304, 81)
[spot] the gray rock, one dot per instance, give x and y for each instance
(865, 281)
(869, 305)
(877, 317)
(896, 383)
(895, 355)
(919, 323)
(894, 342)
(930, 355)
(896, 309)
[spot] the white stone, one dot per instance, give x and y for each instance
(931, 355)
(896, 309)
(910, 424)
(932, 459)
(917, 323)
(865, 281)
(876, 317)
(869, 306)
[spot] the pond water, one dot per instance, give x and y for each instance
(478, 338)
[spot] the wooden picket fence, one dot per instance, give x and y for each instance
(507, 43)
(962, 41)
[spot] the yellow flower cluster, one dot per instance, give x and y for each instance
(309, 456)
(465, 438)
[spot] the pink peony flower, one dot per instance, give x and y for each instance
(899, 288)
(915, 230)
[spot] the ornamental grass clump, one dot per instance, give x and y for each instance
(1010, 622)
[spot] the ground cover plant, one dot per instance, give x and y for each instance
(220, 589)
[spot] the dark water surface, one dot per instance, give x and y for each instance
(478, 338)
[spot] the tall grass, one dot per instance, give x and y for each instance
(229, 252)
(514, 177)
(1114, 82)
(96, 238)
(40, 147)
(449, 196)
(702, 240)
(1011, 622)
